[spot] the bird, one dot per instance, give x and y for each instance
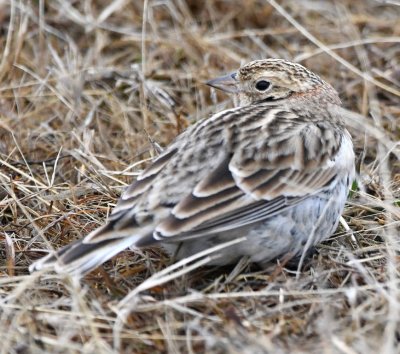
(275, 169)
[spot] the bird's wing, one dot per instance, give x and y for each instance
(264, 171)
(287, 160)
(260, 178)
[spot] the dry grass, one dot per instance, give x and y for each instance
(87, 91)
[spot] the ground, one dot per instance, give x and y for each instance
(87, 91)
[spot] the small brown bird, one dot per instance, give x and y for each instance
(276, 169)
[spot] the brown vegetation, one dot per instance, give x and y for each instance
(87, 91)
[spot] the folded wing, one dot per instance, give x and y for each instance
(257, 176)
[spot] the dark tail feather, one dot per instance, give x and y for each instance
(80, 258)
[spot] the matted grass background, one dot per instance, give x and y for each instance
(89, 89)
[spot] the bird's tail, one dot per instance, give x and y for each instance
(82, 256)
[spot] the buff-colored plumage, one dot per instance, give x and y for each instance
(275, 169)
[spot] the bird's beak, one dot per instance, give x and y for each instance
(227, 83)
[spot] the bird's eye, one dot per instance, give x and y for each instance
(262, 85)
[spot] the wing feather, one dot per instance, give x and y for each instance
(144, 181)
(256, 185)
(275, 164)
(251, 182)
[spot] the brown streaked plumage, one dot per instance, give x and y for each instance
(275, 169)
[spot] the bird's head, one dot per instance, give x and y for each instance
(271, 80)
